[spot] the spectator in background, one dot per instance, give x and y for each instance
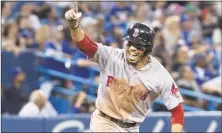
(9, 37)
(10, 31)
(191, 9)
(142, 13)
(52, 20)
(186, 27)
(160, 49)
(6, 10)
(187, 81)
(113, 34)
(120, 12)
(42, 36)
(36, 103)
(172, 33)
(38, 106)
(74, 104)
(27, 10)
(159, 8)
(106, 6)
(209, 22)
(60, 48)
(58, 6)
(202, 68)
(159, 12)
(26, 40)
(217, 41)
(41, 9)
(117, 35)
(217, 33)
(213, 86)
(86, 8)
(13, 96)
(195, 42)
(174, 9)
(25, 26)
(180, 58)
(57, 42)
(217, 8)
(90, 24)
(78, 102)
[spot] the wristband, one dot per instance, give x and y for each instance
(75, 27)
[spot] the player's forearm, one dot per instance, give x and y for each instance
(177, 128)
(77, 34)
(177, 118)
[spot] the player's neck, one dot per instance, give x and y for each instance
(144, 61)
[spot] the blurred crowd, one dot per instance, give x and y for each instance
(187, 43)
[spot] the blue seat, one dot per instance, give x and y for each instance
(28, 61)
(61, 105)
(9, 62)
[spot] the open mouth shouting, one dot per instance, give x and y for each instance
(133, 52)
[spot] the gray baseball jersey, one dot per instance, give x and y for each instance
(118, 102)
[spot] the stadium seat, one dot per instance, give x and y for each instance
(8, 63)
(61, 105)
(27, 61)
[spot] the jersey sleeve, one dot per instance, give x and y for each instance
(103, 54)
(168, 90)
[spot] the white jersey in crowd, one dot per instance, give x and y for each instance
(119, 103)
(31, 110)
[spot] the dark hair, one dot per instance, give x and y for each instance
(219, 22)
(2, 4)
(147, 51)
(19, 18)
(181, 71)
(6, 29)
(156, 29)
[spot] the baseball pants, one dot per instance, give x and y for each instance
(101, 124)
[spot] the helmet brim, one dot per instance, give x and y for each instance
(135, 40)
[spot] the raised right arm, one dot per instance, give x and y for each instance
(86, 45)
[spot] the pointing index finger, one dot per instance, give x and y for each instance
(75, 7)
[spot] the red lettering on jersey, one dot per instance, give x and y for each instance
(109, 80)
(174, 90)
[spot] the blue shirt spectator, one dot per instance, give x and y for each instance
(62, 50)
(201, 69)
(121, 11)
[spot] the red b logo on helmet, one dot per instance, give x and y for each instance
(136, 32)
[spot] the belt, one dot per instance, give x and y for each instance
(118, 122)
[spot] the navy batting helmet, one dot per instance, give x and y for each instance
(142, 34)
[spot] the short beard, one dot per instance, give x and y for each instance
(145, 60)
(132, 63)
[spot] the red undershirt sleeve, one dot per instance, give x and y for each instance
(177, 115)
(87, 46)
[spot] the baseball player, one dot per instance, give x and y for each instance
(130, 79)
